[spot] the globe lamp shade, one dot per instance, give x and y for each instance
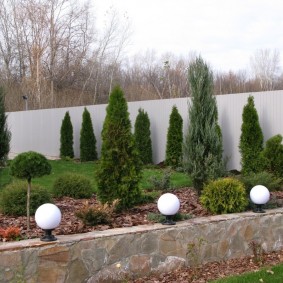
(168, 204)
(48, 217)
(259, 195)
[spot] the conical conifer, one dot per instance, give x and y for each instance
(119, 172)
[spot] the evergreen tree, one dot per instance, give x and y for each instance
(5, 134)
(174, 146)
(272, 156)
(203, 143)
(119, 172)
(251, 140)
(66, 139)
(142, 137)
(87, 139)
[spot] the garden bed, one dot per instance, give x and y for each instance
(71, 224)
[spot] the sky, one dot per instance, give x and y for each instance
(226, 33)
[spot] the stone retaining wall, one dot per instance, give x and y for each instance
(111, 255)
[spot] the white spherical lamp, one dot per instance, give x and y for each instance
(259, 195)
(48, 217)
(168, 204)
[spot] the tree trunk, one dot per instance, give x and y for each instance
(28, 204)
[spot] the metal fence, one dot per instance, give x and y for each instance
(39, 130)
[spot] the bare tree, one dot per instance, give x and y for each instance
(42, 44)
(107, 54)
(265, 67)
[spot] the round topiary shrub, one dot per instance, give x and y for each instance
(225, 195)
(13, 198)
(72, 185)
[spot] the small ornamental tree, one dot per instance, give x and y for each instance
(119, 172)
(203, 143)
(174, 146)
(5, 134)
(26, 166)
(251, 139)
(66, 139)
(87, 139)
(142, 137)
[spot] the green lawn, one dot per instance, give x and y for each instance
(88, 169)
(266, 275)
(178, 179)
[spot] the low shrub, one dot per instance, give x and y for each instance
(13, 198)
(159, 218)
(10, 234)
(266, 179)
(93, 215)
(147, 197)
(162, 183)
(225, 195)
(72, 185)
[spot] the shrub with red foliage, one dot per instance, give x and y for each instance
(10, 234)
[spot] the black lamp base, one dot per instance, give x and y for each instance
(258, 209)
(48, 237)
(168, 220)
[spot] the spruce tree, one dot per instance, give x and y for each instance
(5, 134)
(174, 146)
(142, 137)
(119, 172)
(87, 139)
(251, 139)
(203, 143)
(66, 138)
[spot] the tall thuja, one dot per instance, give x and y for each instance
(87, 139)
(174, 146)
(5, 134)
(66, 137)
(119, 169)
(251, 139)
(142, 137)
(203, 143)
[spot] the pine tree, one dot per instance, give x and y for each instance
(119, 172)
(5, 134)
(251, 140)
(142, 137)
(87, 139)
(174, 146)
(203, 143)
(66, 139)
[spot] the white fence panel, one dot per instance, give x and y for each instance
(39, 130)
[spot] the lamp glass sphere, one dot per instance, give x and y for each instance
(259, 194)
(48, 216)
(168, 204)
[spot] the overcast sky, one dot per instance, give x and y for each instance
(225, 32)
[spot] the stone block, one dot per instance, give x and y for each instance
(171, 263)
(140, 265)
(58, 254)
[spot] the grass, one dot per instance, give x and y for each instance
(266, 275)
(178, 179)
(59, 167)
